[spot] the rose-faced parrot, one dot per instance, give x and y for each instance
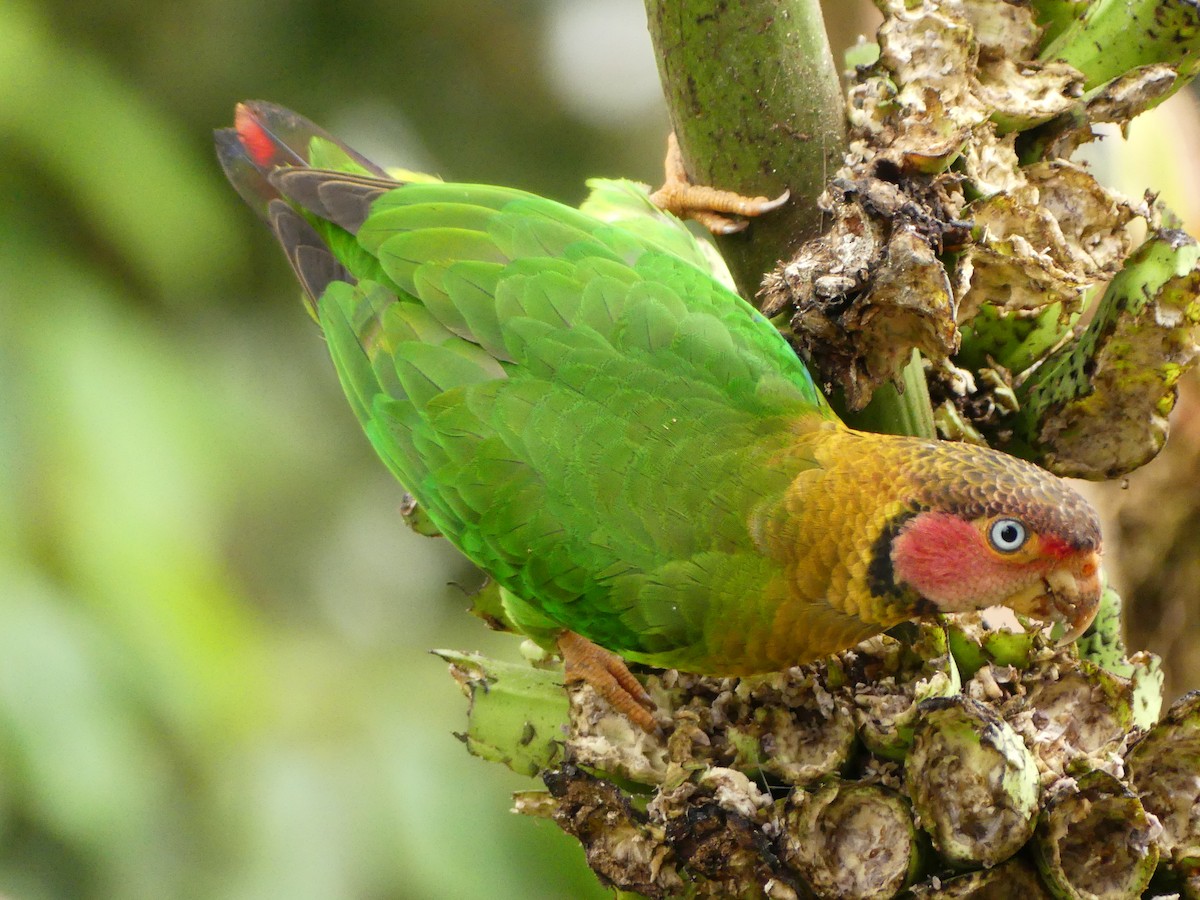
(629, 448)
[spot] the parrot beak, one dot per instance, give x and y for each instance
(1075, 596)
(1069, 595)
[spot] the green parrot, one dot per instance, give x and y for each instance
(628, 447)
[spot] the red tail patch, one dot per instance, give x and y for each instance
(256, 139)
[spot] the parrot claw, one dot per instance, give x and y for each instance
(609, 677)
(711, 207)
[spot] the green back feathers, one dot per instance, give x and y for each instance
(588, 416)
(576, 400)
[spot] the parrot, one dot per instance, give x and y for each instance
(628, 447)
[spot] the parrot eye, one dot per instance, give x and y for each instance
(1007, 535)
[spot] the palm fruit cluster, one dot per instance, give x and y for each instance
(1053, 318)
(949, 760)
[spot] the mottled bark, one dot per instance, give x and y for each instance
(755, 100)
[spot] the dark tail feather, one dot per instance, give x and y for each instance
(248, 179)
(340, 197)
(307, 253)
(266, 158)
(270, 144)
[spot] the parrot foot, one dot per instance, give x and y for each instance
(711, 207)
(609, 677)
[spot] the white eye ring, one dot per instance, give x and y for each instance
(1007, 535)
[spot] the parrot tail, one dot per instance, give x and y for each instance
(266, 137)
(266, 157)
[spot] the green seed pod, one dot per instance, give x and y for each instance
(996, 337)
(1097, 408)
(973, 782)
(1015, 878)
(1164, 769)
(904, 675)
(853, 841)
(1103, 645)
(974, 646)
(1095, 842)
(516, 715)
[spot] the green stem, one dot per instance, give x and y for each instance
(755, 101)
(893, 412)
(1056, 16)
(1114, 36)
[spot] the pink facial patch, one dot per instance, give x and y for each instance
(947, 561)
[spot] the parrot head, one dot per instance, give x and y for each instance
(1001, 532)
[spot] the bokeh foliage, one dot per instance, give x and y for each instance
(213, 623)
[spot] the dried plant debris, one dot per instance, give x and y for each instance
(884, 771)
(916, 110)
(622, 846)
(958, 201)
(1013, 879)
(791, 729)
(872, 288)
(1119, 101)
(1043, 242)
(1017, 89)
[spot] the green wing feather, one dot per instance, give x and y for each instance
(627, 204)
(589, 416)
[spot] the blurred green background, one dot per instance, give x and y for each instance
(214, 678)
(214, 625)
